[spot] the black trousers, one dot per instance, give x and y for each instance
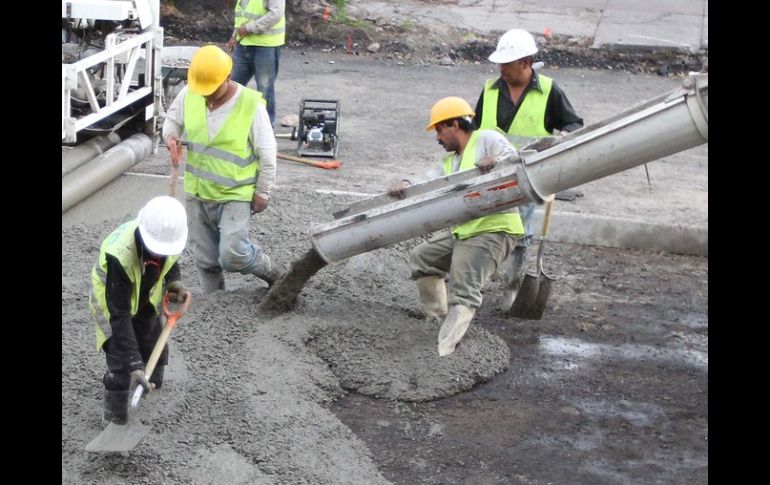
(147, 328)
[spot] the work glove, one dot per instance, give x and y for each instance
(397, 188)
(176, 292)
(139, 379)
(486, 164)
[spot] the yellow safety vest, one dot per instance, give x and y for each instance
(509, 222)
(248, 10)
(529, 122)
(224, 168)
(121, 244)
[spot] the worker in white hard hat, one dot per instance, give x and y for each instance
(137, 261)
(468, 254)
(526, 105)
(230, 169)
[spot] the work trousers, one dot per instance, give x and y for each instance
(470, 262)
(219, 233)
(147, 328)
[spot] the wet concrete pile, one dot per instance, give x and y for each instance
(247, 395)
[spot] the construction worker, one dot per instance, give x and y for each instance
(525, 105)
(259, 33)
(469, 253)
(230, 167)
(135, 262)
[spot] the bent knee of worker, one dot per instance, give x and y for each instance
(238, 255)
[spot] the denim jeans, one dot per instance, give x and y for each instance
(262, 64)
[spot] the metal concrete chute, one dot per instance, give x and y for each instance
(657, 128)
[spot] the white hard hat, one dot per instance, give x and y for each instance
(163, 225)
(513, 45)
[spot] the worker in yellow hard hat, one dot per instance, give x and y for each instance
(230, 169)
(468, 254)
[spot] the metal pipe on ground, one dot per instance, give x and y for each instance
(84, 152)
(90, 177)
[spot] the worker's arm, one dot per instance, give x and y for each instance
(173, 126)
(275, 9)
(262, 140)
(493, 148)
(559, 113)
(123, 342)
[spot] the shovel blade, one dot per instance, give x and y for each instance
(118, 438)
(532, 297)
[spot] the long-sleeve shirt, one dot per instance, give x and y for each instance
(119, 289)
(488, 143)
(261, 136)
(559, 113)
(275, 9)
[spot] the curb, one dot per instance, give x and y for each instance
(570, 227)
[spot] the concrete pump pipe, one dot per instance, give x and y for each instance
(87, 179)
(77, 156)
(663, 126)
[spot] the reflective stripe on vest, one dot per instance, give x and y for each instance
(121, 244)
(509, 221)
(529, 122)
(224, 168)
(248, 10)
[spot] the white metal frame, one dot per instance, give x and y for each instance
(116, 51)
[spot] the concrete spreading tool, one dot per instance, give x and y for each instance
(315, 163)
(122, 438)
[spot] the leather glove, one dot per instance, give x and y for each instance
(138, 379)
(176, 292)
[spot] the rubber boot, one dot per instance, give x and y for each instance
(454, 327)
(115, 407)
(431, 291)
(276, 271)
(211, 281)
(514, 271)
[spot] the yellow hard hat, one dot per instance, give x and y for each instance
(448, 108)
(209, 68)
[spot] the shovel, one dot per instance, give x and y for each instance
(332, 164)
(121, 438)
(533, 295)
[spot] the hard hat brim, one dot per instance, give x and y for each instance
(202, 89)
(499, 58)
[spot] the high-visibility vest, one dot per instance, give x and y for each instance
(248, 10)
(121, 244)
(224, 168)
(509, 222)
(529, 122)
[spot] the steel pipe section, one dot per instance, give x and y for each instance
(84, 152)
(654, 130)
(90, 177)
(658, 128)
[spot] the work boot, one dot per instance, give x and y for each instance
(276, 271)
(115, 407)
(454, 327)
(157, 376)
(431, 291)
(211, 281)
